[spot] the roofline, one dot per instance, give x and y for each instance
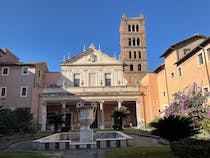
(23, 63)
(173, 47)
(159, 68)
(89, 49)
(194, 51)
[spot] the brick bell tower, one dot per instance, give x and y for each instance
(133, 48)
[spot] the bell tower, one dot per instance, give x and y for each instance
(133, 48)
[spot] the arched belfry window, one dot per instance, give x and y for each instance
(139, 67)
(131, 67)
(139, 54)
(129, 41)
(133, 28)
(134, 41)
(137, 28)
(137, 42)
(129, 28)
(134, 55)
(130, 55)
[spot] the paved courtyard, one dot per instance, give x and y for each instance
(26, 146)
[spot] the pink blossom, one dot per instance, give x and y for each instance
(191, 102)
(209, 114)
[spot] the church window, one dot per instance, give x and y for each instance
(129, 41)
(130, 55)
(131, 67)
(139, 54)
(134, 55)
(76, 80)
(133, 28)
(137, 42)
(107, 79)
(137, 28)
(92, 79)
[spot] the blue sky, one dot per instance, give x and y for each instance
(45, 30)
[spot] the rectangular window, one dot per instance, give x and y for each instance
(172, 75)
(200, 59)
(76, 80)
(5, 71)
(164, 93)
(205, 90)
(24, 70)
(3, 92)
(208, 54)
(39, 74)
(108, 79)
(186, 51)
(92, 79)
(23, 91)
(180, 71)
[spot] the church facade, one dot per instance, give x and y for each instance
(92, 77)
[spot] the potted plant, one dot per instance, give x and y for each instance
(119, 114)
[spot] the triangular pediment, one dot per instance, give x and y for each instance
(92, 56)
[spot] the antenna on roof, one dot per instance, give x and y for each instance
(69, 55)
(99, 47)
(84, 48)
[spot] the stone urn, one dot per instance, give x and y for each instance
(86, 117)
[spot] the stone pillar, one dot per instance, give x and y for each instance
(119, 104)
(102, 114)
(63, 111)
(138, 114)
(44, 115)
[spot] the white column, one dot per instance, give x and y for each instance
(102, 114)
(63, 111)
(138, 114)
(44, 116)
(119, 103)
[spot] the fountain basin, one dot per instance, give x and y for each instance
(71, 140)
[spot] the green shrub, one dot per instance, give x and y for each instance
(19, 120)
(205, 125)
(174, 128)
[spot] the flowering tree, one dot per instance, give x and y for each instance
(192, 102)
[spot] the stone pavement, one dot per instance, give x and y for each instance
(26, 146)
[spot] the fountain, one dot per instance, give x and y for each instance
(86, 118)
(86, 138)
